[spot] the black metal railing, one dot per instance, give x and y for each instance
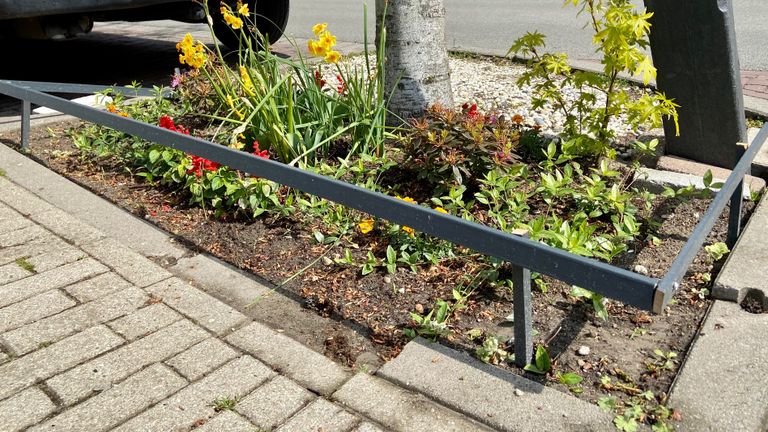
(524, 254)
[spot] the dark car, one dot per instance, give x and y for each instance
(63, 19)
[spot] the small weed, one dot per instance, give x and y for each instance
(3, 173)
(570, 380)
(26, 265)
(44, 344)
(755, 122)
(224, 403)
(662, 361)
(542, 363)
(492, 351)
(717, 251)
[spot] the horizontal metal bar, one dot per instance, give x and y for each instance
(670, 282)
(620, 284)
(50, 87)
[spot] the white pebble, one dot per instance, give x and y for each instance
(583, 350)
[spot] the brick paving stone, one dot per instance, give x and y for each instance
(144, 321)
(272, 403)
(368, 427)
(320, 415)
(123, 401)
(7, 212)
(202, 358)
(12, 272)
(24, 409)
(102, 372)
(33, 233)
(43, 244)
(55, 328)
(296, 361)
(3, 357)
(67, 226)
(13, 223)
(379, 399)
(52, 279)
(56, 257)
(194, 403)
(21, 199)
(131, 265)
(33, 309)
(227, 421)
(97, 287)
(201, 307)
(45, 363)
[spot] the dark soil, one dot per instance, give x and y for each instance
(379, 305)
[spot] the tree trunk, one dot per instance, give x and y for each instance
(417, 73)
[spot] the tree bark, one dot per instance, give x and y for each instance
(416, 61)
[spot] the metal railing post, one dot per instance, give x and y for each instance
(26, 114)
(521, 289)
(734, 215)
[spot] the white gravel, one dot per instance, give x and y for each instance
(492, 85)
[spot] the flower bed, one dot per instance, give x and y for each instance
(492, 168)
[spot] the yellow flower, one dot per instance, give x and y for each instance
(409, 230)
(407, 199)
(230, 101)
(319, 28)
(315, 48)
(332, 56)
(366, 226)
(327, 40)
(233, 21)
(112, 108)
(191, 53)
(247, 83)
(441, 210)
(242, 9)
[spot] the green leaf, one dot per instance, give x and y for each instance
(570, 378)
(391, 254)
(708, 178)
(154, 155)
(319, 236)
(543, 362)
(625, 424)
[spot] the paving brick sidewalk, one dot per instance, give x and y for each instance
(96, 337)
(755, 83)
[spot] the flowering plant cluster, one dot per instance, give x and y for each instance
(323, 45)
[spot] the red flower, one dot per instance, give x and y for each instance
(258, 152)
(167, 123)
(201, 164)
(319, 81)
(341, 87)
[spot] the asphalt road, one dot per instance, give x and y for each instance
(492, 25)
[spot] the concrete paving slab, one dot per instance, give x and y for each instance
(67, 227)
(101, 373)
(723, 385)
(56, 257)
(49, 187)
(47, 362)
(194, 403)
(33, 247)
(96, 287)
(368, 427)
(744, 271)
(227, 421)
(132, 266)
(53, 329)
(760, 163)
(202, 358)
(24, 236)
(202, 308)
(24, 409)
(112, 407)
(687, 166)
(320, 415)
(33, 309)
(145, 321)
(14, 196)
(52, 279)
(274, 402)
(487, 393)
(12, 272)
(220, 279)
(296, 361)
(13, 224)
(400, 409)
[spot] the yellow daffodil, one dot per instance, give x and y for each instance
(409, 231)
(319, 28)
(192, 54)
(242, 9)
(407, 199)
(332, 56)
(441, 210)
(315, 48)
(366, 226)
(327, 40)
(233, 21)
(247, 83)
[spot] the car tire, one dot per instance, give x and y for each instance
(270, 16)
